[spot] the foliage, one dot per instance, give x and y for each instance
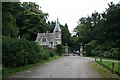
(52, 52)
(88, 49)
(45, 54)
(30, 20)
(74, 43)
(65, 35)
(59, 49)
(113, 53)
(109, 66)
(23, 19)
(103, 28)
(107, 54)
(9, 11)
(19, 52)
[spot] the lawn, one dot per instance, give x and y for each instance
(108, 65)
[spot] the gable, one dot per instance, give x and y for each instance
(39, 36)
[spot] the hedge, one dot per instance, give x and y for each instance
(19, 52)
(112, 53)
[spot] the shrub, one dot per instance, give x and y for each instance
(98, 53)
(115, 53)
(112, 53)
(19, 52)
(107, 54)
(59, 49)
(51, 52)
(45, 55)
(88, 49)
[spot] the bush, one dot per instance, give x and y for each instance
(45, 55)
(88, 49)
(98, 53)
(107, 54)
(19, 52)
(51, 52)
(59, 49)
(113, 53)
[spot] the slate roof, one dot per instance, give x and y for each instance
(49, 36)
(39, 36)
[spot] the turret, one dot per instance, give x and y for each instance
(57, 33)
(57, 27)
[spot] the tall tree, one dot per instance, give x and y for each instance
(23, 19)
(65, 35)
(9, 11)
(30, 20)
(101, 30)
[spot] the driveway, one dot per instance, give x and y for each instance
(65, 67)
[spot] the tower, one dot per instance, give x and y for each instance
(57, 33)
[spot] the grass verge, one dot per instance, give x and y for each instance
(8, 71)
(102, 58)
(104, 72)
(108, 65)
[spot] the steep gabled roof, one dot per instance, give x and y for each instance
(39, 36)
(49, 36)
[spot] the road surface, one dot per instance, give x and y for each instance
(65, 67)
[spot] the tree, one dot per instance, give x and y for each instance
(51, 26)
(9, 11)
(31, 20)
(23, 19)
(102, 28)
(65, 35)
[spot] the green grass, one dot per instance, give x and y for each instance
(108, 65)
(102, 58)
(103, 71)
(8, 71)
(108, 58)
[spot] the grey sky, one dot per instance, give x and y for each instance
(69, 11)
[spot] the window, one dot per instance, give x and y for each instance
(56, 34)
(44, 39)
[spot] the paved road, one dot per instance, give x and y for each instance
(65, 67)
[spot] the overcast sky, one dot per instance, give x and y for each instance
(70, 11)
